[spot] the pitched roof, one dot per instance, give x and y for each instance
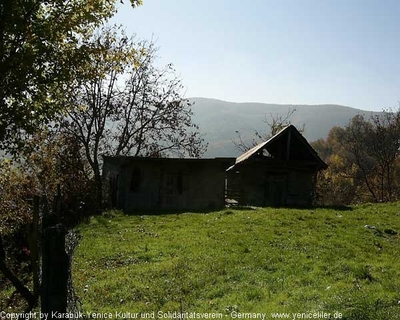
(268, 144)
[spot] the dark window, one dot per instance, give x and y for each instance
(136, 180)
(114, 190)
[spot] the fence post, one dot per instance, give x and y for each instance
(55, 264)
(34, 246)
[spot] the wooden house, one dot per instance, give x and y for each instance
(139, 183)
(278, 172)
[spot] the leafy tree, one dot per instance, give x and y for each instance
(363, 159)
(335, 185)
(43, 44)
(356, 144)
(15, 214)
(129, 106)
(47, 161)
(45, 52)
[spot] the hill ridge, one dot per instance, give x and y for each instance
(219, 120)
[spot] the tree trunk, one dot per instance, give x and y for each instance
(99, 190)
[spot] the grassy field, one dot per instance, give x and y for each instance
(341, 263)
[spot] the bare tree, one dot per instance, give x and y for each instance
(131, 107)
(372, 148)
(275, 124)
(384, 148)
(355, 141)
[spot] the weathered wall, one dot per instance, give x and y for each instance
(300, 188)
(179, 184)
(196, 184)
(265, 185)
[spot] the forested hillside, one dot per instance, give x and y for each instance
(219, 120)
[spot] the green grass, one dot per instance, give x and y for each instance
(263, 260)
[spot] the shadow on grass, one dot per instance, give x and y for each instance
(158, 212)
(155, 212)
(335, 207)
(242, 208)
(312, 207)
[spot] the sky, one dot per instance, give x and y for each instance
(343, 52)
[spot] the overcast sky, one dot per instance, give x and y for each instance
(285, 51)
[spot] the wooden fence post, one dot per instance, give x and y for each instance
(34, 246)
(55, 265)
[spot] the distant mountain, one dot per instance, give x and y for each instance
(219, 121)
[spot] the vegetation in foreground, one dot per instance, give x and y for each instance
(262, 260)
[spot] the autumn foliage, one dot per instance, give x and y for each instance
(363, 161)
